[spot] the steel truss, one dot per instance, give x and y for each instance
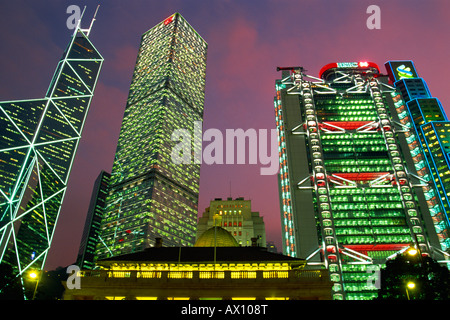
(38, 142)
(330, 250)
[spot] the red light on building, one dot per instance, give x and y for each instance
(327, 67)
(168, 20)
(361, 176)
(345, 125)
(348, 65)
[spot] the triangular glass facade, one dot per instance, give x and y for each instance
(38, 141)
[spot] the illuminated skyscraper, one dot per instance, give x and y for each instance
(94, 217)
(428, 140)
(353, 191)
(149, 195)
(38, 141)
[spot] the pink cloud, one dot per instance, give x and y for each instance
(123, 59)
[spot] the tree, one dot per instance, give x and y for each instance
(411, 276)
(50, 286)
(10, 285)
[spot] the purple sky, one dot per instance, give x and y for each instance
(247, 41)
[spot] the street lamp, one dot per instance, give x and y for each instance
(412, 251)
(35, 276)
(410, 285)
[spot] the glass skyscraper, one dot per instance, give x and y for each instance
(427, 139)
(149, 195)
(94, 217)
(352, 191)
(38, 141)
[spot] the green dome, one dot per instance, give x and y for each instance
(222, 238)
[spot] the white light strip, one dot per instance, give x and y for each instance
(406, 128)
(302, 181)
(43, 159)
(387, 86)
(336, 182)
(67, 120)
(339, 128)
(349, 181)
(315, 78)
(313, 254)
(295, 128)
(409, 173)
(379, 179)
(327, 89)
(366, 125)
(395, 254)
(352, 256)
(343, 76)
(360, 86)
(358, 253)
(286, 80)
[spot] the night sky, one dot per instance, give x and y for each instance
(247, 40)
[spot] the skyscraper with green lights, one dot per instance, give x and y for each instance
(38, 142)
(89, 239)
(353, 191)
(149, 195)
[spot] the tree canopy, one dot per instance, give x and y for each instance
(411, 276)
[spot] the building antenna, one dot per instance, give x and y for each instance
(87, 31)
(92, 22)
(79, 22)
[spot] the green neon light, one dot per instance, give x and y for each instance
(32, 194)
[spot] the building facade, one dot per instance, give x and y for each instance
(223, 272)
(38, 142)
(236, 216)
(351, 195)
(150, 195)
(90, 236)
(427, 139)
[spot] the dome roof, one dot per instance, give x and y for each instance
(222, 238)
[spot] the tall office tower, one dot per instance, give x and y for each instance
(38, 142)
(150, 195)
(427, 138)
(351, 196)
(90, 237)
(237, 217)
